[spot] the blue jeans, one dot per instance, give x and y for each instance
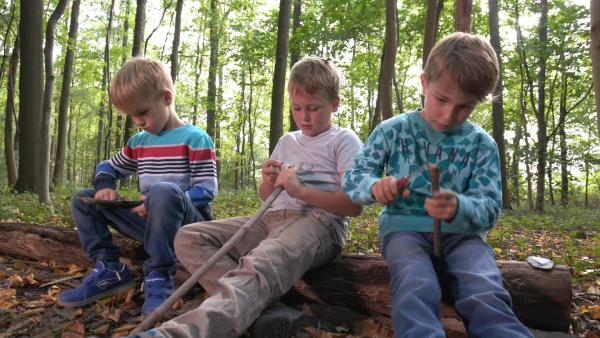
(472, 276)
(168, 209)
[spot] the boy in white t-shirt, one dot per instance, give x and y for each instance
(305, 227)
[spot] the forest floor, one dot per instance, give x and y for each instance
(28, 289)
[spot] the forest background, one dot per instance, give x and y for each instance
(230, 59)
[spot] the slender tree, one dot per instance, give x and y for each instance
(30, 91)
(295, 49)
(462, 19)
(9, 117)
(138, 37)
(176, 34)
(278, 92)
(44, 178)
(389, 60)
(498, 101)
(65, 93)
(541, 111)
(211, 95)
(595, 53)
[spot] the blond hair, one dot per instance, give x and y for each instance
(140, 78)
(314, 75)
(469, 59)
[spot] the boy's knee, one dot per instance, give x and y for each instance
(165, 192)
(77, 202)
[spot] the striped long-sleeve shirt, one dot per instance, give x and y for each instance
(184, 156)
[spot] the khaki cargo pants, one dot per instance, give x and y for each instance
(263, 266)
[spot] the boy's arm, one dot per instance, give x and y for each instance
(336, 202)
(203, 172)
(120, 166)
(368, 168)
(478, 208)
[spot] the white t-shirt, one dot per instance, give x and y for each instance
(322, 157)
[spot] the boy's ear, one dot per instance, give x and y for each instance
(168, 97)
(423, 84)
(335, 104)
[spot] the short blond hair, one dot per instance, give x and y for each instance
(469, 59)
(315, 75)
(140, 78)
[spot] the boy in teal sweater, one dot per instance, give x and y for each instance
(460, 72)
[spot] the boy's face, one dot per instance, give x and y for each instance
(312, 113)
(151, 115)
(447, 106)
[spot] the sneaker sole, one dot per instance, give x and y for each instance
(91, 300)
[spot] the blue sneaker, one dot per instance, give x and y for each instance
(158, 286)
(101, 283)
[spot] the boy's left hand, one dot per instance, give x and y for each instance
(140, 209)
(289, 180)
(442, 205)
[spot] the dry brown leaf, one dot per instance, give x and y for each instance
(75, 313)
(73, 330)
(74, 269)
(123, 330)
(113, 314)
(594, 312)
(6, 304)
(3, 259)
(8, 293)
(16, 280)
(370, 328)
(102, 330)
(317, 333)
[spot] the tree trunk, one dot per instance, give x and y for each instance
(431, 25)
(65, 93)
(212, 70)
(564, 170)
(464, 10)
(176, 34)
(44, 172)
(120, 125)
(541, 299)
(138, 37)
(30, 93)
(295, 49)
(281, 56)
(389, 60)
(9, 117)
(541, 111)
(498, 102)
(595, 53)
(6, 39)
(106, 102)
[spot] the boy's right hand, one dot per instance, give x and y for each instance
(386, 190)
(270, 170)
(106, 194)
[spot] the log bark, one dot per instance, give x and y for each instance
(541, 299)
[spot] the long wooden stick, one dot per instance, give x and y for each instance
(149, 321)
(437, 227)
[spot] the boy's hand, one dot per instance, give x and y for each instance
(442, 205)
(270, 170)
(386, 190)
(140, 209)
(289, 180)
(106, 194)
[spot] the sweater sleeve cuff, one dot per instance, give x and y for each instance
(464, 212)
(104, 182)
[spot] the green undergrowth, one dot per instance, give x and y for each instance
(569, 236)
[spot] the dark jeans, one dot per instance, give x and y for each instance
(168, 209)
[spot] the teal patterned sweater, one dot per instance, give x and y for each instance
(469, 165)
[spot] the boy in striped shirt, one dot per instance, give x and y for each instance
(176, 167)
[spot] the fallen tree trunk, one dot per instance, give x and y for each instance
(541, 299)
